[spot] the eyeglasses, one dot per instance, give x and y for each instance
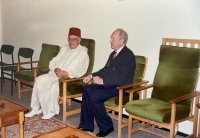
(72, 39)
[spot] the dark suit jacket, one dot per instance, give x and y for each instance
(120, 70)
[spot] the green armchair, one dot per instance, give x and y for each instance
(27, 77)
(117, 103)
(173, 90)
(72, 88)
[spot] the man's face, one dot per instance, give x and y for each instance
(115, 42)
(73, 41)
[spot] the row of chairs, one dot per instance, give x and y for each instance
(174, 78)
(7, 64)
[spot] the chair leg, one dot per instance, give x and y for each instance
(196, 114)
(64, 101)
(172, 124)
(11, 83)
(120, 123)
(19, 88)
(1, 80)
(129, 127)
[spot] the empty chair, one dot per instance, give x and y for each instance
(23, 54)
(6, 59)
(174, 90)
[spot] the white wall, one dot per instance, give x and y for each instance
(0, 25)
(29, 23)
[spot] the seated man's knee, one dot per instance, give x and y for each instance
(95, 98)
(89, 88)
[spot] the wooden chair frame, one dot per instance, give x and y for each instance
(171, 126)
(123, 123)
(16, 66)
(67, 98)
(28, 83)
(20, 81)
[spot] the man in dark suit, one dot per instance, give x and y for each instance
(119, 70)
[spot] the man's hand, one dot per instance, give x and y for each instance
(97, 80)
(87, 79)
(61, 73)
(57, 70)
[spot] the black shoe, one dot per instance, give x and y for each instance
(105, 132)
(85, 129)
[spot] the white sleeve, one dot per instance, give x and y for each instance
(53, 63)
(81, 66)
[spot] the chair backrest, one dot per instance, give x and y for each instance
(48, 52)
(90, 45)
(181, 42)
(25, 53)
(140, 70)
(177, 72)
(8, 50)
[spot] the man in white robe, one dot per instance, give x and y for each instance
(72, 61)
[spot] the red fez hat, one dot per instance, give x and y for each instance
(75, 31)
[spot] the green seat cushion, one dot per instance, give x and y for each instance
(28, 75)
(114, 101)
(72, 87)
(156, 110)
(138, 76)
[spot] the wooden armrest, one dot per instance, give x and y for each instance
(139, 88)
(132, 84)
(71, 79)
(184, 97)
(21, 63)
(36, 68)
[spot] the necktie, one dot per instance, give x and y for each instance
(114, 55)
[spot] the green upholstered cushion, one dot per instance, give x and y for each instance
(156, 110)
(114, 101)
(176, 75)
(28, 75)
(48, 52)
(90, 44)
(77, 86)
(73, 87)
(138, 76)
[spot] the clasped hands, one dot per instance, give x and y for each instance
(60, 73)
(96, 79)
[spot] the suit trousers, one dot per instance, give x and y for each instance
(92, 107)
